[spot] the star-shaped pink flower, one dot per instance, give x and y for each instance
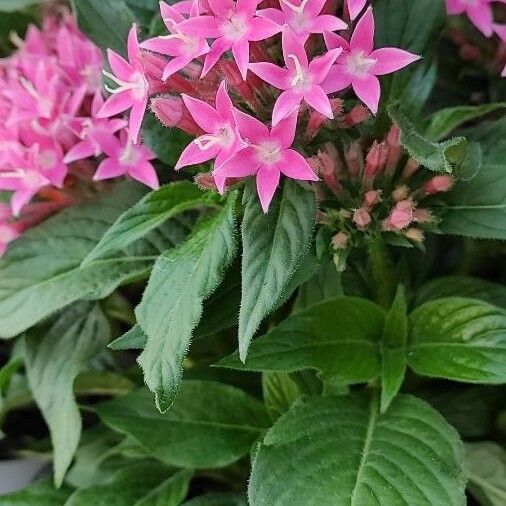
(360, 63)
(127, 158)
(133, 87)
(478, 11)
(303, 17)
(221, 139)
(233, 25)
(183, 45)
(267, 156)
(300, 80)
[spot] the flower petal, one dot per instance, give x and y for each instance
(224, 106)
(120, 102)
(275, 15)
(327, 23)
(363, 35)
(145, 173)
(454, 7)
(337, 79)
(320, 66)
(368, 90)
(133, 45)
(217, 49)
(262, 29)
(295, 166)
(247, 7)
(481, 17)
(292, 45)
(285, 104)
(284, 131)
(119, 65)
(355, 7)
(391, 59)
(204, 26)
(80, 151)
(250, 128)
(220, 7)
(318, 100)
(333, 41)
(267, 183)
(272, 74)
(240, 51)
(108, 169)
(136, 117)
(242, 164)
(193, 155)
(204, 115)
(175, 65)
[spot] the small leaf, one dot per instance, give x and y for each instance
(339, 338)
(78, 334)
(436, 156)
(340, 450)
(280, 392)
(486, 469)
(40, 493)
(393, 349)
(459, 339)
(134, 339)
(149, 213)
(274, 245)
(210, 424)
(171, 306)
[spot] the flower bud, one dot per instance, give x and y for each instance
(372, 198)
(340, 240)
(410, 168)
(400, 193)
(422, 216)
(172, 112)
(414, 234)
(354, 159)
(362, 218)
(400, 217)
(357, 115)
(438, 184)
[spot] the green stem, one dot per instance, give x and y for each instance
(382, 272)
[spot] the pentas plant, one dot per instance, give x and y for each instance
(55, 125)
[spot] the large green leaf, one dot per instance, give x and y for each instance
(338, 337)
(460, 339)
(280, 392)
(486, 469)
(79, 333)
(41, 493)
(217, 500)
(172, 303)
(209, 425)
(41, 272)
(105, 22)
(274, 244)
(150, 212)
(340, 451)
(436, 156)
(462, 286)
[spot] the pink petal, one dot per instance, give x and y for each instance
(275, 15)
(242, 164)
(247, 7)
(355, 7)
(313, 7)
(337, 79)
(80, 151)
(205, 26)
(320, 66)
(175, 65)
(161, 45)
(21, 198)
(108, 169)
(133, 45)
(267, 183)
(481, 16)
(250, 128)
(168, 12)
(136, 117)
(328, 23)
(454, 7)
(217, 49)
(284, 131)
(391, 59)
(501, 31)
(116, 104)
(146, 174)
(221, 7)
(240, 50)
(272, 74)
(224, 106)
(318, 100)
(333, 41)
(363, 35)
(262, 29)
(285, 104)
(368, 90)
(192, 155)
(120, 67)
(292, 45)
(295, 166)
(204, 115)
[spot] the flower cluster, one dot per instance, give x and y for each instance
(54, 127)
(287, 65)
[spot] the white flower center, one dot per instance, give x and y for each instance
(235, 27)
(300, 22)
(137, 84)
(268, 152)
(224, 136)
(190, 44)
(47, 159)
(358, 64)
(129, 155)
(301, 80)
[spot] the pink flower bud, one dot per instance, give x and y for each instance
(414, 234)
(361, 218)
(394, 149)
(372, 198)
(357, 115)
(400, 217)
(400, 193)
(438, 184)
(422, 216)
(205, 181)
(172, 112)
(410, 168)
(340, 240)
(354, 159)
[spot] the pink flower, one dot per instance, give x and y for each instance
(267, 156)
(127, 158)
(300, 80)
(183, 45)
(355, 7)
(438, 184)
(221, 139)
(478, 11)
(92, 132)
(359, 64)
(233, 25)
(303, 17)
(133, 87)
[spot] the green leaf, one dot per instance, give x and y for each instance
(210, 424)
(486, 469)
(149, 213)
(6, 373)
(17, 5)
(280, 392)
(338, 337)
(460, 339)
(105, 22)
(169, 493)
(217, 500)
(78, 334)
(172, 303)
(444, 121)
(462, 286)
(274, 245)
(393, 349)
(134, 339)
(340, 450)
(41, 272)
(41, 493)
(436, 156)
